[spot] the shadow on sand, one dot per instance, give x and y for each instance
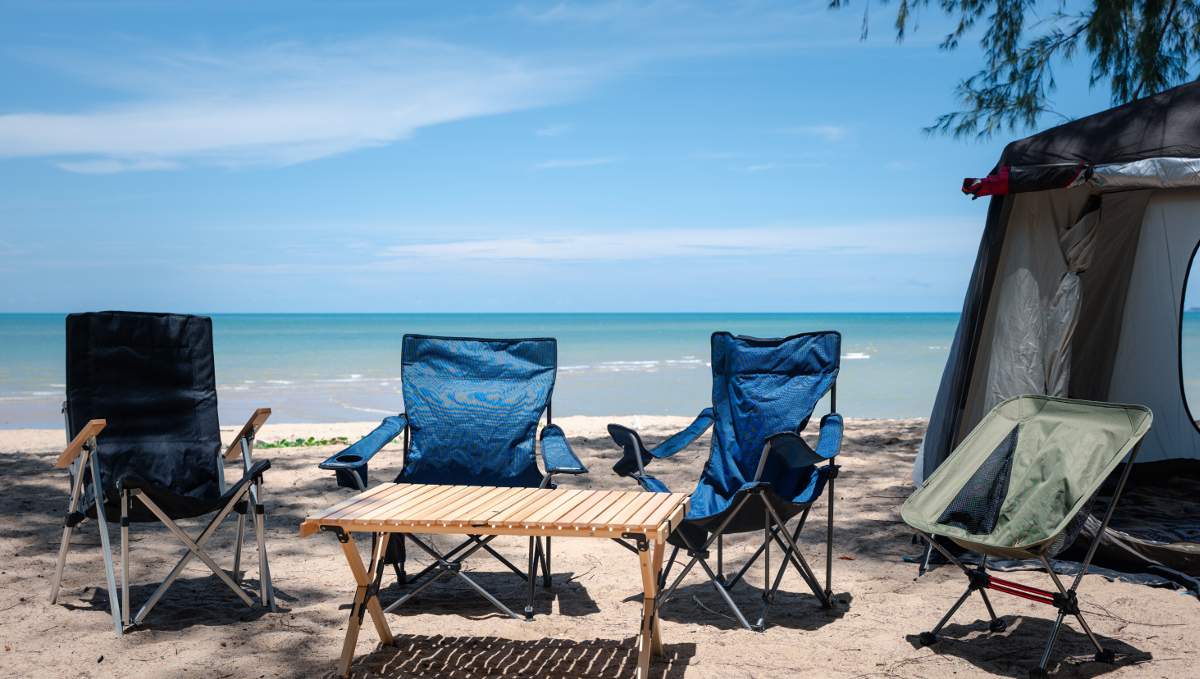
(462, 657)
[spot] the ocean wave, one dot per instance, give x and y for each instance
(855, 356)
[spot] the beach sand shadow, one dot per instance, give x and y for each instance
(463, 657)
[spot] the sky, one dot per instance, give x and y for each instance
(623, 156)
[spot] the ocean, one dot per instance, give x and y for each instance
(343, 367)
(346, 367)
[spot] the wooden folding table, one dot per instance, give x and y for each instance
(646, 518)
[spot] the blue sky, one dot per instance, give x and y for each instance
(469, 156)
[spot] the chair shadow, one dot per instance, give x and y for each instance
(701, 603)
(1015, 651)
(463, 657)
(188, 602)
(450, 595)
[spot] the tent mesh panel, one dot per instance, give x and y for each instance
(976, 508)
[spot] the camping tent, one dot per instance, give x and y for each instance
(1077, 291)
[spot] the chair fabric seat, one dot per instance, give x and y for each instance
(173, 504)
(1033, 465)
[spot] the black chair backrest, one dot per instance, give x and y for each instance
(151, 377)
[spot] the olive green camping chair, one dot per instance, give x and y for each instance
(1021, 486)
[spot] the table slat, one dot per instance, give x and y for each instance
(483, 515)
(357, 498)
(488, 499)
(606, 517)
(584, 504)
(447, 504)
(663, 512)
(586, 519)
(552, 509)
(364, 504)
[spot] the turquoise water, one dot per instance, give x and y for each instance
(331, 368)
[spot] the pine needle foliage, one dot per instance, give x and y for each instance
(1137, 47)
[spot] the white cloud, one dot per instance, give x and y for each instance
(554, 164)
(285, 104)
(555, 130)
(826, 132)
(908, 237)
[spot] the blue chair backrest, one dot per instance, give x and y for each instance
(763, 387)
(473, 407)
(151, 376)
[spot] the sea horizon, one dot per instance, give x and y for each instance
(346, 367)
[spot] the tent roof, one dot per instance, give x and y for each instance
(1164, 125)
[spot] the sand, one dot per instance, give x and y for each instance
(585, 624)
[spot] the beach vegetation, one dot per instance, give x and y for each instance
(304, 442)
(1136, 47)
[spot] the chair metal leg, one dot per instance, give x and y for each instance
(530, 579)
(183, 561)
(76, 490)
(237, 550)
(102, 525)
(1041, 667)
(798, 559)
(125, 557)
(829, 538)
(662, 576)
(266, 591)
(547, 578)
(929, 638)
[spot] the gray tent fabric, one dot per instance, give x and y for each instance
(1077, 291)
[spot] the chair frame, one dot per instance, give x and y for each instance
(1065, 599)
(777, 534)
(80, 455)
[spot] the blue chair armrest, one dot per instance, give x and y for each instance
(557, 453)
(796, 453)
(830, 442)
(637, 456)
(359, 453)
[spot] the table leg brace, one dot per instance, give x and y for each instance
(364, 597)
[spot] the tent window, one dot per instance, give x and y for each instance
(1189, 341)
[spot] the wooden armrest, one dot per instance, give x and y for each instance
(68, 456)
(256, 420)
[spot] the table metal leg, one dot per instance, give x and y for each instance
(364, 597)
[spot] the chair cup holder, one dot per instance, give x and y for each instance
(346, 477)
(349, 458)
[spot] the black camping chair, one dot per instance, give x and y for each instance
(760, 473)
(141, 416)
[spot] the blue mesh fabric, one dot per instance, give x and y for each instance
(473, 407)
(763, 387)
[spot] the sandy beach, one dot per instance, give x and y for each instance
(585, 624)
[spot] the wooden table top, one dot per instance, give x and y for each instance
(486, 510)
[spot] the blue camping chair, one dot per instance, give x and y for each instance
(760, 472)
(473, 407)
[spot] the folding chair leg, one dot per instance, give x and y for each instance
(829, 537)
(186, 558)
(662, 576)
(102, 525)
(798, 559)
(929, 638)
(266, 591)
(125, 558)
(76, 490)
(532, 576)
(546, 577)
(237, 550)
(1040, 670)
